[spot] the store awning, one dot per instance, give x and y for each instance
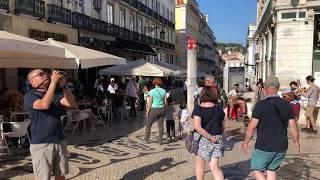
(21, 52)
(138, 68)
(134, 46)
(85, 57)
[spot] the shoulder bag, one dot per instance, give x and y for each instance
(192, 145)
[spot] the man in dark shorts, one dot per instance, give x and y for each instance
(46, 103)
(271, 117)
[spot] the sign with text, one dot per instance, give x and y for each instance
(44, 35)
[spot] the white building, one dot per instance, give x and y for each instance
(251, 49)
(287, 39)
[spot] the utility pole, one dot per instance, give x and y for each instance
(192, 71)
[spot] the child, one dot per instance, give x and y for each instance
(183, 118)
(170, 120)
(146, 95)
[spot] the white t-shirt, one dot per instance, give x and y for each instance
(183, 115)
(232, 93)
(111, 89)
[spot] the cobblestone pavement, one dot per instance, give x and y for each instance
(118, 152)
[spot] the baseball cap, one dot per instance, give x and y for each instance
(272, 81)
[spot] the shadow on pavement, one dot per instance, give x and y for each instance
(232, 137)
(144, 172)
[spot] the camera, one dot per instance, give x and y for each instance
(63, 73)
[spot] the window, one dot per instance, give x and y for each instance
(168, 15)
(153, 4)
(122, 18)
(140, 25)
(153, 31)
(158, 7)
(289, 15)
(147, 29)
(147, 3)
(163, 11)
(131, 22)
(110, 13)
(302, 14)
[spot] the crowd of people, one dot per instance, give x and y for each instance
(51, 96)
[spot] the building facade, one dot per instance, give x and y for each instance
(287, 39)
(190, 22)
(251, 49)
(133, 29)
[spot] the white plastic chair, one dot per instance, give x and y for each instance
(102, 112)
(81, 117)
(19, 129)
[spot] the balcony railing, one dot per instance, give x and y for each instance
(98, 26)
(134, 3)
(124, 33)
(30, 7)
(59, 14)
(4, 4)
(142, 7)
(149, 12)
(81, 21)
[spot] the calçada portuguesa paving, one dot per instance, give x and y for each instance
(118, 152)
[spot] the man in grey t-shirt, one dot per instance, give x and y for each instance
(311, 111)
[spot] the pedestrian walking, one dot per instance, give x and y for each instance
(46, 103)
(170, 120)
(209, 126)
(132, 90)
(184, 124)
(312, 110)
(156, 109)
(271, 117)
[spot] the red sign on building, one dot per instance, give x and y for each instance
(192, 43)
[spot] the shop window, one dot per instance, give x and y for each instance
(302, 14)
(289, 15)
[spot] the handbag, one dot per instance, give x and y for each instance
(192, 145)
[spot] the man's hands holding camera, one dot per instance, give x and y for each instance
(58, 77)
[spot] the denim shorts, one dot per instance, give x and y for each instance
(262, 160)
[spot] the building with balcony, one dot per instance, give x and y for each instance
(287, 39)
(190, 22)
(133, 29)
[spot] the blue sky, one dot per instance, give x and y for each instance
(229, 19)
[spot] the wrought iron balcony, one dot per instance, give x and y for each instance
(98, 26)
(59, 14)
(150, 12)
(30, 7)
(4, 4)
(155, 15)
(142, 7)
(134, 36)
(124, 33)
(81, 21)
(134, 3)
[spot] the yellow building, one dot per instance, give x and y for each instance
(190, 22)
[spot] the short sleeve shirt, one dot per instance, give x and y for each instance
(158, 95)
(313, 95)
(271, 133)
(211, 118)
(183, 115)
(46, 125)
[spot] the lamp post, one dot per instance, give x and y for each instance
(191, 71)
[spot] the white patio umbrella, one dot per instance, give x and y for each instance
(137, 68)
(85, 57)
(21, 52)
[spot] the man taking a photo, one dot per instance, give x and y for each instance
(46, 103)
